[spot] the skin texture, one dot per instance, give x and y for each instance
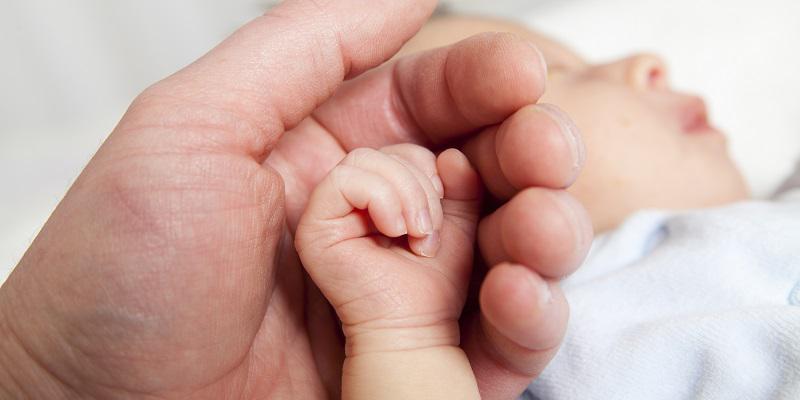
(398, 302)
(648, 146)
(168, 269)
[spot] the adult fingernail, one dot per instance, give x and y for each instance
(577, 216)
(424, 222)
(542, 60)
(541, 288)
(429, 245)
(571, 134)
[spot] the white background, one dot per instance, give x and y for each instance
(68, 69)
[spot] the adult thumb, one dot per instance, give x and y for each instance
(273, 72)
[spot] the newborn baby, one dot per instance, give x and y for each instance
(669, 304)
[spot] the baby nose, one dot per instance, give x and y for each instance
(645, 72)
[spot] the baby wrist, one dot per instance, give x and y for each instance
(431, 373)
(362, 340)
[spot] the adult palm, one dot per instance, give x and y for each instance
(167, 270)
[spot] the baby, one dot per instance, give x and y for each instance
(668, 304)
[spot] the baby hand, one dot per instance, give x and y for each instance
(388, 238)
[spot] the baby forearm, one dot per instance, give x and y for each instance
(428, 373)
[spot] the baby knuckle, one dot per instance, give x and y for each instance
(359, 156)
(341, 175)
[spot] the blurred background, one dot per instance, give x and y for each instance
(69, 70)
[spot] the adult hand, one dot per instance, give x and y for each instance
(167, 270)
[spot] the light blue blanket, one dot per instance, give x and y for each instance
(694, 305)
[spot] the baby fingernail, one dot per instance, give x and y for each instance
(400, 226)
(429, 245)
(438, 186)
(571, 134)
(424, 222)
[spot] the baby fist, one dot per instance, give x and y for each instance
(388, 238)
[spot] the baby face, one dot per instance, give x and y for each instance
(648, 146)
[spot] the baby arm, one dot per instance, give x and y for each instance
(388, 238)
